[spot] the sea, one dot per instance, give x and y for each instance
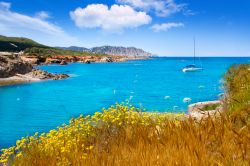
(157, 84)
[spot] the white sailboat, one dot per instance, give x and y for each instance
(193, 67)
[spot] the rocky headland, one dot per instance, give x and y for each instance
(14, 70)
(10, 65)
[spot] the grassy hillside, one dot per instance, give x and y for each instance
(16, 44)
(48, 52)
(124, 135)
(30, 47)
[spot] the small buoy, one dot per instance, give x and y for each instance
(201, 86)
(18, 99)
(186, 100)
(167, 97)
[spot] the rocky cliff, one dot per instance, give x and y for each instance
(12, 65)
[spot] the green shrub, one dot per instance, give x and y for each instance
(237, 86)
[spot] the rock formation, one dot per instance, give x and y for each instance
(11, 65)
(63, 62)
(106, 59)
(41, 74)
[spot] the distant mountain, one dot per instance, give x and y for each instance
(122, 51)
(111, 50)
(16, 44)
(75, 48)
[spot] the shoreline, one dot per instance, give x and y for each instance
(66, 59)
(18, 79)
(34, 76)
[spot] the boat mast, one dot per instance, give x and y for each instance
(194, 50)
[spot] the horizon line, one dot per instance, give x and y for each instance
(207, 56)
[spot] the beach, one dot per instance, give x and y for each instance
(18, 79)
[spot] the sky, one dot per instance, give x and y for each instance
(162, 27)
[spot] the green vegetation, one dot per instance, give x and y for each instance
(210, 107)
(30, 47)
(237, 84)
(16, 44)
(124, 135)
(49, 52)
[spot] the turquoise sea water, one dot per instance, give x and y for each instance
(156, 84)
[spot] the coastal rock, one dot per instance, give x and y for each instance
(65, 59)
(198, 111)
(34, 60)
(106, 59)
(63, 62)
(53, 61)
(88, 61)
(11, 65)
(60, 76)
(41, 74)
(197, 107)
(15, 70)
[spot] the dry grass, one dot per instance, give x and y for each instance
(122, 135)
(142, 140)
(206, 143)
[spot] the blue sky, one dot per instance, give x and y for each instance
(163, 27)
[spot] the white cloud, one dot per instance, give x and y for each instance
(166, 26)
(4, 6)
(42, 15)
(16, 24)
(160, 7)
(115, 18)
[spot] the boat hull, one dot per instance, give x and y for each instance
(193, 69)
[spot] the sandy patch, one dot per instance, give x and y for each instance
(18, 79)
